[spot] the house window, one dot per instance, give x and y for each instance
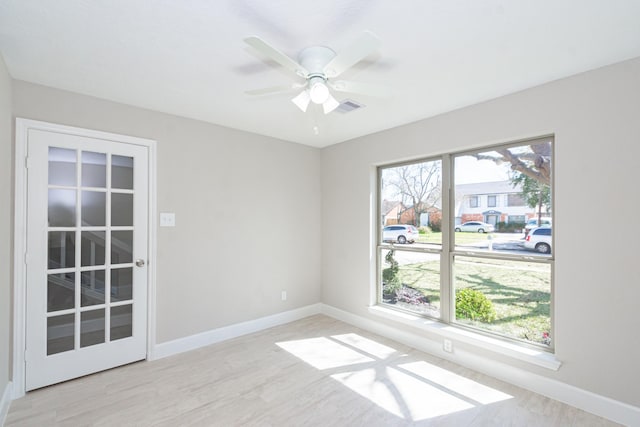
(515, 199)
(473, 201)
(520, 219)
(466, 278)
(491, 201)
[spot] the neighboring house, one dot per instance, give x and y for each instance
(428, 216)
(391, 210)
(491, 202)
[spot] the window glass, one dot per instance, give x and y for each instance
(411, 280)
(510, 298)
(497, 273)
(515, 200)
(411, 195)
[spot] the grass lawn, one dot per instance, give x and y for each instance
(520, 291)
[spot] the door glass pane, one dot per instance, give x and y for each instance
(121, 247)
(91, 327)
(93, 248)
(121, 209)
(94, 208)
(92, 283)
(60, 333)
(62, 208)
(60, 291)
(122, 172)
(94, 169)
(121, 322)
(62, 166)
(121, 284)
(62, 249)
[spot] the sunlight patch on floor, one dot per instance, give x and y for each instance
(371, 347)
(458, 384)
(323, 353)
(402, 394)
(412, 390)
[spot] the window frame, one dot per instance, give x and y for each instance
(448, 251)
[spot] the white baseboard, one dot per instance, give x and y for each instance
(203, 339)
(5, 402)
(611, 409)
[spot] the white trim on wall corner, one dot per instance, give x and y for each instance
(5, 402)
(611, 409)
(224, 333)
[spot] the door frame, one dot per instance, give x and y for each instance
(20, 236)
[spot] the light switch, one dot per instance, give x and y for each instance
(167, 219)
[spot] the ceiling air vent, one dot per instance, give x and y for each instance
(347, 106)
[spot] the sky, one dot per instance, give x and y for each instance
(469, 170)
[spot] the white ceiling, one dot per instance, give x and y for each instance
(188, 57)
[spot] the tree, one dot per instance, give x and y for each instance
(530, 168)
(417, 185)
(535, 194)
(533, 160)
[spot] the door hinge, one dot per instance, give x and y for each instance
(26, 355)
(26, 258)
(27, 162)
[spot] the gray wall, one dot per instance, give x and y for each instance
(596, 119)
(6, 203)
(247, 212)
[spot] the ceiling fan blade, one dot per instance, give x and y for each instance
(364, 45)
(360, 88)
(273, 53)
(302, 100)
(273, 89)
(330, 104)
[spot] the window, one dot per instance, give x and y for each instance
(410, 272)
(515, 199)
(462, 275)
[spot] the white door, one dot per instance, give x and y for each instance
(86, 294)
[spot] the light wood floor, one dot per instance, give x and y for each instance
(313, 372)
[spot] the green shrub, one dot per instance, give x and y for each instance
(436, 226)
(424, 230)
(390, 279)
(510, 227)
(474, 305)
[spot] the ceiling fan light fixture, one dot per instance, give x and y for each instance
(330, 104)
(302, 100)
(318, 90)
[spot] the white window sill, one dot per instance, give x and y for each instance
(529, 355)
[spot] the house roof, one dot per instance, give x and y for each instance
(496, 187)
(388, 205)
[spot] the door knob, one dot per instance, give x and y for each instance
(140, 263)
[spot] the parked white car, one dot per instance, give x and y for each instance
(533, 222)
(401, 233)
(539, 239)
(476, 227)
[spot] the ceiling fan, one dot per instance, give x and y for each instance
(319, 66)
